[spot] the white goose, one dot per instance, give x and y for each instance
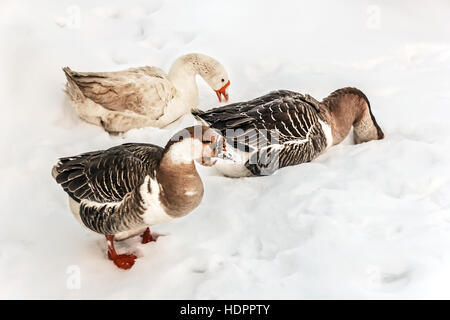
(145, 96)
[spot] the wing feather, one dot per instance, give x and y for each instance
(276, 117)
(145, 91)
(278, 129)
(99, 176)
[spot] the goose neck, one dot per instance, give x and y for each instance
(182, 74)
(181, 185)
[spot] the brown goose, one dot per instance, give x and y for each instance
(285, 128)
(145, 96)
(121, 191)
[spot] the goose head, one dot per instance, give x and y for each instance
(218, 81)
(211, 70)
(214, 73)
(197, 143)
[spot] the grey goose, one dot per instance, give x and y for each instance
(286, 128)
(121, 191)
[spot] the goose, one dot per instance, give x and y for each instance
(285, 128)
(145, 96)
(122, 191)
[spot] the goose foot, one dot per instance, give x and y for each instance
(147, 236)
(123, 261)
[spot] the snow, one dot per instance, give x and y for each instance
(361, 221)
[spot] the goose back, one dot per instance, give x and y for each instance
(106, 185)
(145, 90)
(279, 129)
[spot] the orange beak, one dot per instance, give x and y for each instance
(223, 92)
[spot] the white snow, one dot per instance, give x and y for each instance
(361, 221)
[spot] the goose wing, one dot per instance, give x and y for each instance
(107, 175)
(267, 160)
(145, 90)
(274, 118)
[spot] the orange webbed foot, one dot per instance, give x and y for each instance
(147, 236)
(124, 261)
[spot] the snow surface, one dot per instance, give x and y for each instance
(361, 221)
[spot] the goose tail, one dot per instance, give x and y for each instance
(197, 113)
(72, 89)
(55, 170)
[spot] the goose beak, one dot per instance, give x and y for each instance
(223, 92)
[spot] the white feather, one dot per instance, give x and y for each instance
(155, 212)
(327, 131)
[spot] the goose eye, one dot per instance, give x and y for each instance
(223, 80)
